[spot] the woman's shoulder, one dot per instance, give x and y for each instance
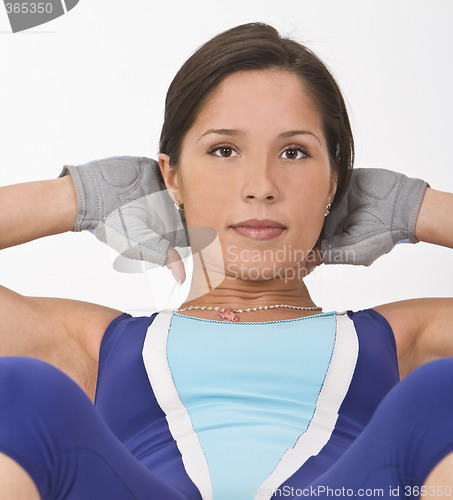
(404, 319)
(124, 324)
(407, 318)
(87, 323)
(421, 329)
(65, 333)
(371, 325)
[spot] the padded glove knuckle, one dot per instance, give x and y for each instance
(374, 183)
(119, 172)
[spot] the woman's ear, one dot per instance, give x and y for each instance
(170, 176)
(333, 185)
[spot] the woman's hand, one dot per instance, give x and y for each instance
(379, 210)
(124, 202)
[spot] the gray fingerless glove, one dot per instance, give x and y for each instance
(124, 202)
(379, 210)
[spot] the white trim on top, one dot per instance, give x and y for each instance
(331, 396)
(156, 364)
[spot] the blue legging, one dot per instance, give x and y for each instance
(50, 427)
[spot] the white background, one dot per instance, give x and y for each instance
(92, 84)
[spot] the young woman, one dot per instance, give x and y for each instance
(249, 390)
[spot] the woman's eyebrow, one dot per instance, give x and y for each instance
(221, 131)
(235, 132)
(292, 133)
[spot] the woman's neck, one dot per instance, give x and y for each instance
(235, 293)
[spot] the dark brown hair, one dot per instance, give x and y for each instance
(256, 46)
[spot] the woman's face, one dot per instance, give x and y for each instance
(254, 166)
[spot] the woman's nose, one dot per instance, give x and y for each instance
(260, 183)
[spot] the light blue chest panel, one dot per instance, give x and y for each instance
(249, 403)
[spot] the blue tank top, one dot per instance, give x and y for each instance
(236, 410)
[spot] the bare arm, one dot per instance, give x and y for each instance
(35, 209)
(423, 327)
(62, 332)
(435, 219)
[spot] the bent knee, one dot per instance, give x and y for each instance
(29, 386)
(426, 394)
(431, 380)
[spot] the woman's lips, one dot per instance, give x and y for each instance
(265, 229)
(259, 233)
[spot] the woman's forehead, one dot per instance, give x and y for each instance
(253, 85)
(250, 100)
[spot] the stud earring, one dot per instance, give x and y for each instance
(329, 206)
(179, 206)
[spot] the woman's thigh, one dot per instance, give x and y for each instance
(50, 427)
(410, 432)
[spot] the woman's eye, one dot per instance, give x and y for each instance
(293, 154)
(224, 152)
